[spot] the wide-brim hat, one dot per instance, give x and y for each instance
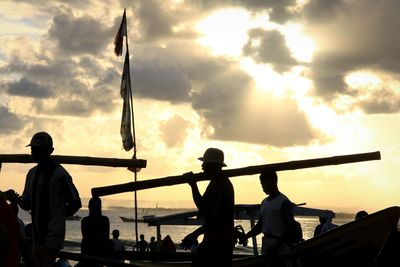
(213, 155)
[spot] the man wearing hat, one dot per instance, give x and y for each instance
(51, 196)
(216, 207)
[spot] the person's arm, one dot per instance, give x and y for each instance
(191, 238)
(287, 212)
(195, 190)
(256, 230)
(72, 207)
(24, 200)
(73, 201)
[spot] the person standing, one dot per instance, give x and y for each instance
(216, 207)
(51, 196)
(276, 217)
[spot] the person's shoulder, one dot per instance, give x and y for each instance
(225, 181)
(264, 200)
(32, 170)
(283, 196)
(59, 169)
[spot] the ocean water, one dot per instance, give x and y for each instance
(177, 233)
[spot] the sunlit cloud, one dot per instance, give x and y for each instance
(301, 46)
(225, 31)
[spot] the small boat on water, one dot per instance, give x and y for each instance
(142, 219)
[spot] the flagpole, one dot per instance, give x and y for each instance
(133, 132)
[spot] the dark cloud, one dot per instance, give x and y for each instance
(173, 72)
(376, 101)
(80, 35)
(318, 11)
(9, 122)
(62, 81)
(217, 89)
(160, 80)
(278, 10)
(72, 107)
(271, 49)
(277, 122)
(156, 20)
(26, 87)
(359, 35)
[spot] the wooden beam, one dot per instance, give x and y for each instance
(79, 160)
(282, 166)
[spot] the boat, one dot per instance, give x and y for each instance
(142, 219)
(357, 243)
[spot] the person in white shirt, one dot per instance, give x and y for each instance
(275, 217)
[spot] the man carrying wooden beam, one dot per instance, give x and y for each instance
(51, 196)
(216, 206)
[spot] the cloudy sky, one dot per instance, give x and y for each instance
(264, 80)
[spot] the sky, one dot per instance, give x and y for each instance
(265, 81)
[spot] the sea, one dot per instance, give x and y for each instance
(128, 233)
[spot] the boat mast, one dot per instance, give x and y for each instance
(135, 170)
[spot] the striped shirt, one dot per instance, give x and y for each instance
(49, 189)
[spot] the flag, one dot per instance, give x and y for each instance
(126, 121)
(119, 37)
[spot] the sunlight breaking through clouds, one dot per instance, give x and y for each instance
(225, 31)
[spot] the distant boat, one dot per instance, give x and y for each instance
(74, 218)
(142, 219)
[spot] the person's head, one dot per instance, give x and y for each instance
(41, 146)
(361, 214)
(95, 206)
(115, 233)
(152, 239)
(142, 237)
(322, 220)
(269, 182)
(213, 161)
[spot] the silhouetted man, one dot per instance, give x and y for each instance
(51, 196)
(275, 216)
(216, 206)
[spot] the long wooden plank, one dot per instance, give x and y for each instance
(290, 165)
(79, 160)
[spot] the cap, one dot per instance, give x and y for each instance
(41, 139)
(213, 155)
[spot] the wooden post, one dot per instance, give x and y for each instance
(254, 238)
